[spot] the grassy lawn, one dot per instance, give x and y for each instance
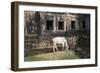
(60, 55)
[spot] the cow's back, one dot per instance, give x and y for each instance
(58, 39)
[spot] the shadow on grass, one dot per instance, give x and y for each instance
(31, 52)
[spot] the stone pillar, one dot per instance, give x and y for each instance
(65, 23)
(54, 24)
(76, 23)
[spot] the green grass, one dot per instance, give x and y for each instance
(60, 55)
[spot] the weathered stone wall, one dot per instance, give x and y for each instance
(66, 18)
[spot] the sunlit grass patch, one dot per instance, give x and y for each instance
(60, 55)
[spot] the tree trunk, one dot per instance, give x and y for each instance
(37, 19)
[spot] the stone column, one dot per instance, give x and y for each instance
(54, 24)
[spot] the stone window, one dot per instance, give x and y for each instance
(72, 24)
(60, 25)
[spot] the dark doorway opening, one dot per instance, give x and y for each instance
(61, 25)
(49, 24)
(73, 24)
(83, 24)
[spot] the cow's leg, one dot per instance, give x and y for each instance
(56, 47)
(53, 52)
(63, 47)
(66, 46)
(53, 48)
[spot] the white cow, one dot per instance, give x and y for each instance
(59, 40)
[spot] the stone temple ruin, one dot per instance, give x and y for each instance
(47, 22)
(41, 27)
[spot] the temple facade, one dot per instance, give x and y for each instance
(45, 23)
